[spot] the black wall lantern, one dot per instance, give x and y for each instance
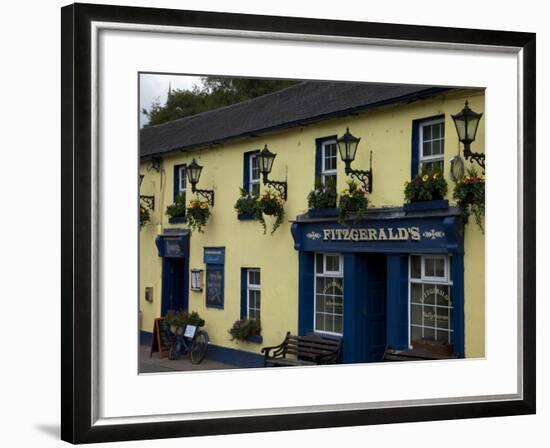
(265, 162)
(194, 174)
(347, 146)
(466, 123)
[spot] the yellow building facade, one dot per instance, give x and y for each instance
(288, 261)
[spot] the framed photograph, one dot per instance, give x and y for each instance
(334, 223)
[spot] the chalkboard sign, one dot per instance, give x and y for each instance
(214, 285)
(162, 338)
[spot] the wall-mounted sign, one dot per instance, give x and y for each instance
(214, 255)
(173, 246)
(214, 285)
(372, 234)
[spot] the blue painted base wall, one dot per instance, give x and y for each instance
(237, 358)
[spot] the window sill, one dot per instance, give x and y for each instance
(322, 212)
(441, 204)
(177, 220)
(246, 217)
(255, 339)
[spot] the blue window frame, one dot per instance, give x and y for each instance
(180, 180)
(428, 144)
(251, 173)
(326, 159)
(214, 258)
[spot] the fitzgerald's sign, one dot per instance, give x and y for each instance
(372, 234)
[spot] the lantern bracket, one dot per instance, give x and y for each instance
(280, 186)
(206, 194)
(363, 176)
(477, 157)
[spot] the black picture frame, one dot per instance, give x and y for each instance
(76, 279)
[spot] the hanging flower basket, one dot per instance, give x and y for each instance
(469, 194)
(353, 203)
(245, 330)
(272, 204)
(144, 216)
(176, 210)
(197, 214)
(323, 196)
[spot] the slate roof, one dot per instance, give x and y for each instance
(300, 104)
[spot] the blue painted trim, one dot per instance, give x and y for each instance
(255, 339)
(145, 338)
(177, 219)
(244, 304)
(415, 143)
(305, 292)
(246, 217)
(397, 290)
(246, 168)
(237, 358)
(441, 204)
(458, 304)
(353, 286)
(319, 153)
(321, 213)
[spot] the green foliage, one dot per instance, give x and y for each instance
(244, 328)
(323, 196)
(198, 214)
(470, 195)
(217, 92)
(144, 216)
(247, 203)
(177, 209)
(179, 319)
(272, 204)
(426, 186)
(353, 203)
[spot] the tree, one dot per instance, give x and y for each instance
(216, 92)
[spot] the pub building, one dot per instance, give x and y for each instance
(402, 277)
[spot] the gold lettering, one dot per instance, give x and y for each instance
(415, 233)
(382, 235)
(363, 235)
(402, 233)
(393, 235)
(372, 234)
(326, 234)
(354, 234)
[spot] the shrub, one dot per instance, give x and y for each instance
(177, 209)
(177, 320)
(247, 203)
(271, 203)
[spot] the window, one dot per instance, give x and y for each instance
(432, 144)
(180, 181)
(431, 307)
(253, 294)
(254, 172)
(329, 293)
(329, 159)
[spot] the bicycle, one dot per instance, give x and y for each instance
(189, 339)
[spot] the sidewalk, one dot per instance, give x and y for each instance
(156, 364)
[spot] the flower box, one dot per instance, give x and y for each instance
(246, 216)
(255, 339)
(322, 213)
(441, 204)
(176, 219)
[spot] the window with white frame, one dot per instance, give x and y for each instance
(254, 175)
(253, 294)
(329, 293)
(432, 145)
(431, 306)
(329, 159)
(182, 180)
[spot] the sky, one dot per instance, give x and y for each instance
(155, 87)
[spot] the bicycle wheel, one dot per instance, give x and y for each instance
(198, 347)
(173, 353)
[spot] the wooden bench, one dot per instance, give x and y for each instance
(413, 355)
(303, 351)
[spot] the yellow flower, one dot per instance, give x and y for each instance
(406, 183)
(425, 178)
(436, 175)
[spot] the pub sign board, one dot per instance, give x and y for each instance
(434, 234)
